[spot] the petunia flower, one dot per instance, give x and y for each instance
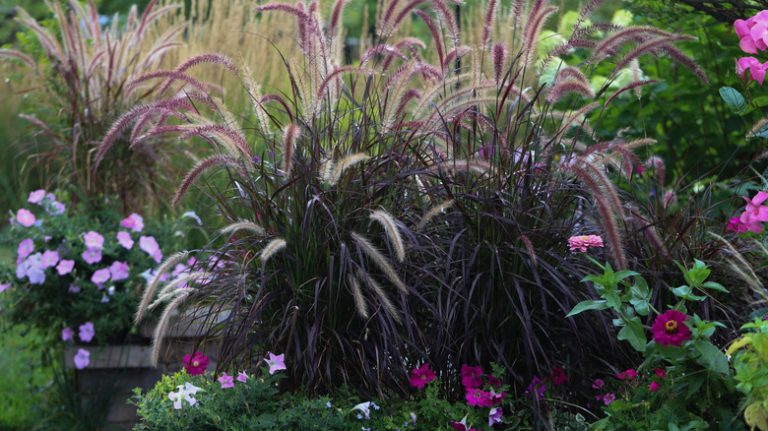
(629, 374)
(471, 377)
(65, 266)
(276, 362)
(462, 425)
(86, 332)
(125, 240)
(119, 271)
(36, 197)
(4, 287)
(149, 245)
(25, 217)
(478, 398)
(537, 388)
(753, 32)
(195, 364)
(133, 222)
(421, 376)
(598, 384)
(226, 381)
(93, 240)
(26, 247)
(735, 225)
(242, 377)
(92, 256)
(364, 409)
(495, 416)
(82, 359)
(669, 328)
(67, 334)
(608, 398)
(755, 214)
(50, 259)
(100, 276)
(185, 392)
(584, 242)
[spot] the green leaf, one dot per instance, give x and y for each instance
(733, 99)
(633, 333)
(588, 305)
(642, 307)
(712, 357)
(686, 292)
(711, 285)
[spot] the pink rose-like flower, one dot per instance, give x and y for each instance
(26, 247)
(195, 364)
(82, 359)
(471, 377)
(86, 332)
(119, 271)
(36, 197)
(149, 245)
(226, 381)
(609, 398)
(584, 242)
(125, 240)
(93, 240)
(92, 256)
(242, 377)
(101, 276)
(558, 376)
(50, 259)
(67, 334)
(422, 376)
(756, 69)
(65, 266)
(653, 387)
(598, 384)
(478, 398)
(133, 222)
(669, 328)
(275, 362)
(25, 217)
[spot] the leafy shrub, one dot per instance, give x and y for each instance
(750, 354)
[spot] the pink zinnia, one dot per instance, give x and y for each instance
(471, 377)
(195, 364)
(478, 398)
(226, 381)
(422, 376)
(583, 242)
(653, 387)
(669, 328)
(25, 217)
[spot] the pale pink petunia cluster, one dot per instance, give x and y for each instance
(133, 222)
(584, 242)
(36, 197)
(753, 216)
(100, 276)
(119, 271)
(94, 243)
(149, 245)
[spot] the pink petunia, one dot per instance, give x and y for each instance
(226, 381)
(86, 332)
(26, 247)
(36, 197)
(133, 222)
(669, 328)
(195, 364)
(609, 398)
(65, 266)
(67, 334)
(93, 240)
(92, 256)
(82, 359)
(495, 416)
(101, 276)
(125, 240)
(471, 377)
(755, 214)
(25, 217)
(50, 259)
(149, 245)
(584, 242)
(422, 376)
(735, 225)
(275, 362)
(4, 287)
(242, 377)
(478, 398)
(753, 32)
(598, 384)
(119, 271)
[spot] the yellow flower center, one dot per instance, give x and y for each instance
(670, 326)
(195, 363)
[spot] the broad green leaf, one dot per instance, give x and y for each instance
(633, 333)
(711, 285)
(712, 357)
(642, 307)
(588, 305)
(733, 99)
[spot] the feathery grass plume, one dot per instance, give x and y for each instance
(647, 47)
(529, 247)
(243, 225)
(375, 255)
(270, 249)
(163, 323)
(435, 33)
(151, 288)
(609, 45)
(490, 17)
(170, 290)
(499, 53)
(537, 17)
(290, 136)
(342, 165)
(336, 15)
(171, 76)
(357, 294)
(381, 294)
(628, 87)
(456, 54)
(12, 53)
(567, 86)
(434, 212)
(234, 140)
(199, 169)
(687, 62)
(659, 168)
(197, 60)
(393, 234)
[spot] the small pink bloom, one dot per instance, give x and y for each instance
(629, 374)
(195, 364)
(653, 387)
(82, 359)
(36, 197)
(4, 287)
(92, 256)
(478, 398)
(119, 271)
(26, 247)
(86, 332)
(558, 376)
(93, 240)
(25, 217)
(149, 245)
(755, 213)
(242, 377)
(67, 334)
(598, 384)
(125, 240)
(100, 276)
(422, 376)
(669, 328)
(583, 242)
(133, 222)
(609, 398)
(735, 225)
(275, 362)
(65, 267)
(50, 259)
(226, 381)
(471, 377)
(660, 373)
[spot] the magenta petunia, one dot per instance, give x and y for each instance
(422, 376)
(26, 247)
(226, 381)
(82, 359)
(669, 328)
(124, 239)
(93, 240)
(537, 388)
(471, 377)
(478, 398)
(495, 416)
(92, 256)
(65, 266)
(36, 197)
(100, 276)
(119, 271)
(195, 364)
(86, 332)
(133, 222)
(25, 217)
